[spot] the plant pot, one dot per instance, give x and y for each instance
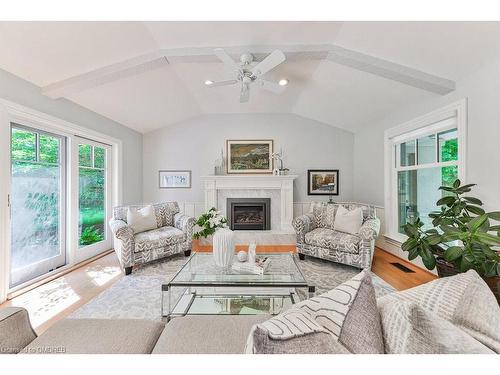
(445, 269)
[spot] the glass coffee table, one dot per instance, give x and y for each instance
(202, 288)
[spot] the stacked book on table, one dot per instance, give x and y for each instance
(258, 268)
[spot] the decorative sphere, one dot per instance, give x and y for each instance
(242, 256)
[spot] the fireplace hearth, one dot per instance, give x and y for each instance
(249, 213)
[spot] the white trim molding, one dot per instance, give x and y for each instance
(429, 123)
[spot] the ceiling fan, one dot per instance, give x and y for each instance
(248, 73)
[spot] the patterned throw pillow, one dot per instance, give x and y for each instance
(464, 300)
(343, 320)
(410, 329)
(325, 215)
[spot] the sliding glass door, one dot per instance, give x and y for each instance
(60, 202)
(94, 197)
(37, 203)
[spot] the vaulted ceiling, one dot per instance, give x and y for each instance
(147, 75)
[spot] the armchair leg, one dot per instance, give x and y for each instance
(302, 256)
(128, 270)
(187, 253)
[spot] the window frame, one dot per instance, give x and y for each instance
(432, 123)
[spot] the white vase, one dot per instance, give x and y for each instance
(223, 247)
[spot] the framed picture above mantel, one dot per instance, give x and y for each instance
(322, 182)
(249, 156)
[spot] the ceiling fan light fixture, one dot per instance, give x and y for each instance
(283, 82)
(208, 82)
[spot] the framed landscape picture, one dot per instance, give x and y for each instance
(322, 182)
(174, 179)
(249, 156)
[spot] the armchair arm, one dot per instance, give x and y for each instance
(16, 331)
(186, 224)
(124, 246)
(121, 230)
(370, 229)
(302, 225)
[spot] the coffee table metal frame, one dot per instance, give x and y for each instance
(167, 287)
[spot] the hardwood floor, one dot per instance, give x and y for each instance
(60, 297)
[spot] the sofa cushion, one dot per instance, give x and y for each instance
(411, 329)
(324, 215)
(15, 330)
(464, 300)
(98, 336)
(348, 221)
(141, 219)
(344, 318)
(164, 212)
(333, 240)
(207, 334)
(157, 238)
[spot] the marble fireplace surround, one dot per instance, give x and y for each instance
(278, 188)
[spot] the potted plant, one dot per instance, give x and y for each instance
(209, 222)
(463, 237)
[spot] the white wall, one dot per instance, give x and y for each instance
(22, 92)
(195, 144)
(482, 90)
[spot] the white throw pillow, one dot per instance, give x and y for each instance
(348, 221)
(141, 220)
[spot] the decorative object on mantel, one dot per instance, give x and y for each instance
(223, 247)
(174, 179)
(209, 222)
(462, 237)
(249, 156)
(281, 171)
(219, 167)
(323, 182)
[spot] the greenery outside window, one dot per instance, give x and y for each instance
(424, 161)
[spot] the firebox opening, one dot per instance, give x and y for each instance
(249, 213)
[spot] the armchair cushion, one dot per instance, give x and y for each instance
(164, 213)
(333, 240)
(15, 330)
(156, 238)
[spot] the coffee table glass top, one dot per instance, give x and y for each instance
(201, 270)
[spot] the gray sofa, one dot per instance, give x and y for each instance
(222, 334)
(317, 237)
(173, 235)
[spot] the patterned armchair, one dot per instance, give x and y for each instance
(173, 235)
(316, 236)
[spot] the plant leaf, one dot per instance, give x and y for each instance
(475, 210)
(448, 200)
(456, 183)
(494, 215)
(475, 223)
(434, 239)
(473, 201)
(452, 253)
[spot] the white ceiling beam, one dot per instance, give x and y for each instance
(110, 73)
(390, 70)
(337, 54)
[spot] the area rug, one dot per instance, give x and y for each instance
(138, 295)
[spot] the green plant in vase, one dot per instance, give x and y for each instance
(209, 222)
(463, 237)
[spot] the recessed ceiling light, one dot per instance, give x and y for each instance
(283, 82)
(208, 82)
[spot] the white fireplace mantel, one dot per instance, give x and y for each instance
(250, 182)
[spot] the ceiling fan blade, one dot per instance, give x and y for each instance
(226, 59)
(271, 61)
(270, 86)
(245, 93)
(223, 83)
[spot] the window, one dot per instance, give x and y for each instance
(425, 154)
